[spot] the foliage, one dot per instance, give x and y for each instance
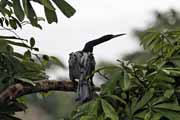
(27, 66)
(141, 91)
(14, 12)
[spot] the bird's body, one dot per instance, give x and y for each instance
(81, 66)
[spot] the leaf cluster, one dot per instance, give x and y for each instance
(148, 91)
(28, 66)
(14, 12)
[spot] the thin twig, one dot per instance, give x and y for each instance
(104, 76)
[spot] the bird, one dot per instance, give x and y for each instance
(81, 66)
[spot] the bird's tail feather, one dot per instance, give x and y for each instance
(84, 91)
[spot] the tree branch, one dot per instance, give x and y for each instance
(20, 89)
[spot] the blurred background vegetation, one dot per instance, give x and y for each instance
(59, 105)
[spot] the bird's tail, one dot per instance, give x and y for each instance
(89, 45)
(84, 90)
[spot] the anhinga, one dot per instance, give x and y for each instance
(82, 64)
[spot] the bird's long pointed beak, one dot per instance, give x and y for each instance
(119, 35)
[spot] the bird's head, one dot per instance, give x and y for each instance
(110, 36)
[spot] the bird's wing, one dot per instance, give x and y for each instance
(74, 66)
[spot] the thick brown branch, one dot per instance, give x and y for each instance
(20, 89)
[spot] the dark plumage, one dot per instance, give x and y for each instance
(82, 64)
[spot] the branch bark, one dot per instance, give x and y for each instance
(21, 89)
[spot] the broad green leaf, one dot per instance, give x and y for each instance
(168, 106)
(3, 3)
(18, 10)
(171, 115)
(17, 22)
(48, 4)
(86, 118)
(144, 100)
(3, 44)
(66, 9)
(26, 81)
(100, 117)
(176, 57)
(116, 98)
(25, 6)
(168, 93)
(109, 110)
(174, 73)
(156, 116)
(45, 57)
(50, 15)
(158, 100)
(93, 108)
(27, 54)
(141, 114)
(30, 13)
(148, 116)
(110, 85)
(163, 78)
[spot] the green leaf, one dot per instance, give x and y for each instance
(1, 21)
(148, 116)
(50, 15)
(109, 110)
(141, 115)
(168, 106)
(86, 118)
(168, 93)
(16, 21)
(30, 13)
(125, 82)
(7, 22)
(156, 116)
(3, 44)
(66, 9)
(47, 4)
(27, 54)
(32, 42)
(144, 100)
(93, 108)
(25, 6)
(171, 115)
(116, 98)
(18, 10)
(158, 100)
(3, 3)
(13, 24)
(26, 81)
